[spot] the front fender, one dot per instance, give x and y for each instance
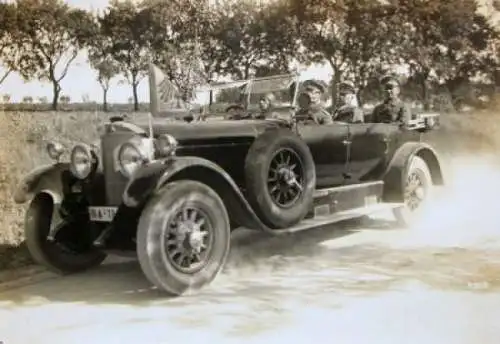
(151, 178)
(47, 178)
(397, 168)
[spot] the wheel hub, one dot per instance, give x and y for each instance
(420, 193)
(195, 240)
(187, 240)
(285, 178)
(189, 236)
(415, 191)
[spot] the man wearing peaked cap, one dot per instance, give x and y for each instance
(348, 111)
(392, 109)
(318, 84)
(311, 110)
(347, 86)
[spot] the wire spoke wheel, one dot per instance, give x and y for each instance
(415, 190)
(286, 178)
(188, 239)
(183, 237)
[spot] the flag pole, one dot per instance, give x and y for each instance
(153, 100)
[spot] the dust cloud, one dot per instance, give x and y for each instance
(466, 211)
(454, 242)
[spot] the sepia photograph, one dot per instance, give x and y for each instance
(250, 171)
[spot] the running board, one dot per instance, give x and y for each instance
(346, 188)
(338, 199)
(319, 221)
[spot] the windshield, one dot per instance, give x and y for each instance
(221, 99)
(218, 98)
(280, 89)
(245, 95)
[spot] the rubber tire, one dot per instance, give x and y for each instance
(37, 225)
(150, 234)
(256, 173)
(404, 216)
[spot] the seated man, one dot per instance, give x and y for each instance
(311, 110)
(266, 105)
(236, 112)
(393, 109)
(347, 110)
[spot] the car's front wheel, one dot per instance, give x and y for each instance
(417, 190)
(64, 246)
(183, 237)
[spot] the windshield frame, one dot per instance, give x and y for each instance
(249, 89)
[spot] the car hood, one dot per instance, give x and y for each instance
(183, 131)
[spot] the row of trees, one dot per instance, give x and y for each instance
(30, 100)
(443, 43)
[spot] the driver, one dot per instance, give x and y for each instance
(348, 111)
(235, 112)
(311, 110)
(266, 105)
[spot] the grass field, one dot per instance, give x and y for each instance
(23, 136)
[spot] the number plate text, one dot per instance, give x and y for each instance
(102, 214)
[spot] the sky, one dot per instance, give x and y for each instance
(81, 81)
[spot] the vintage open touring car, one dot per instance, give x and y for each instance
(173, 191)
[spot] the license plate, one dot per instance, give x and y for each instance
(102, 214)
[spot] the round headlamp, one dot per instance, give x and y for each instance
(55, 150)
(83, 161)
(130, 158)
(166, 145)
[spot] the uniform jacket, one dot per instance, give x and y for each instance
(265, 114)
(349, 114)
(391, 112)
(313, 115)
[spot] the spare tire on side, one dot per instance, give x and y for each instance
(280, 178)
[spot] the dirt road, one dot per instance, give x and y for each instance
(438, 282)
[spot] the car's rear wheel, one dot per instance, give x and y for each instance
(183, 237)
(63, 247)
(280, 178)
(417, 190)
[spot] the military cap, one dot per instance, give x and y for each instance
(316, 84)
(390, 79)
(347, 86)
(234, 107)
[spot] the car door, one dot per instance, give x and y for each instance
(328, 147)
(370, 145)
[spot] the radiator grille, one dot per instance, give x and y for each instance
(115, 182)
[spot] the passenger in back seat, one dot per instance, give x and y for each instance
(347, 109)
(393, 109)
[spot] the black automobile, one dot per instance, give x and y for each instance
(173, 191)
